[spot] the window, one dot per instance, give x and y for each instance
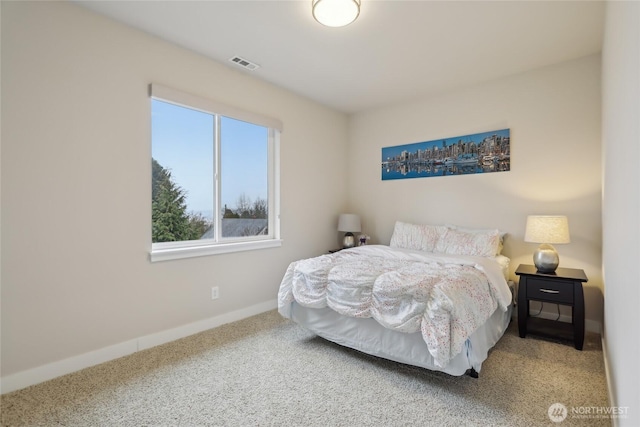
(214, 177)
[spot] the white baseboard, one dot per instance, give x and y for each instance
(52, 370)
(589, 325)
(607, 373)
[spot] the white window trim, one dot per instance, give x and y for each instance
(166, 251)
(216, 249)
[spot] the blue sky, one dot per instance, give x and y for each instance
(476, 137)
(183, 142)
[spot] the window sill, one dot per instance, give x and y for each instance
(222, 248)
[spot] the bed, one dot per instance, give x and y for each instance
(436, 297)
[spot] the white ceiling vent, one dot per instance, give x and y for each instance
(248, 65)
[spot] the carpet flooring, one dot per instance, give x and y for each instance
(268, 371)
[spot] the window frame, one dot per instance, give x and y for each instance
(164, 251)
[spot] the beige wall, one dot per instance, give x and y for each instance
(0, 187)
(554, 117)
(621, 203)
(76, 186)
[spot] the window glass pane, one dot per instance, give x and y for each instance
(183, 185)
(244, 178)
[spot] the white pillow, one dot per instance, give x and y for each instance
(502, 234)
(457, 242)
(416, 237)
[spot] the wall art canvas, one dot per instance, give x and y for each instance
(469, 154)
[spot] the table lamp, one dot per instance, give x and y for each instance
(350, 223)
(547, 229)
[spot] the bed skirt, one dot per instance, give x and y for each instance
(368, 336)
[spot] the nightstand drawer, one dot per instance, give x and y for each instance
(549, 290)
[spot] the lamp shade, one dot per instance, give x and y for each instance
(349, 222)
(552, 229)
(335, 13)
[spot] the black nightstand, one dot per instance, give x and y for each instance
(564, 287)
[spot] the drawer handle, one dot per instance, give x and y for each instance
(549, 291)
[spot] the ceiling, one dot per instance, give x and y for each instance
(396, 51)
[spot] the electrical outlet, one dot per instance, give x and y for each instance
(215, 292)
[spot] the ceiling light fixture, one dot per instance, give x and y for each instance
(335, 13)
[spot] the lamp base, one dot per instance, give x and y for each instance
(546, 258)
(349, 241)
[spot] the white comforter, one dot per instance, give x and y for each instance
(445, 297)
